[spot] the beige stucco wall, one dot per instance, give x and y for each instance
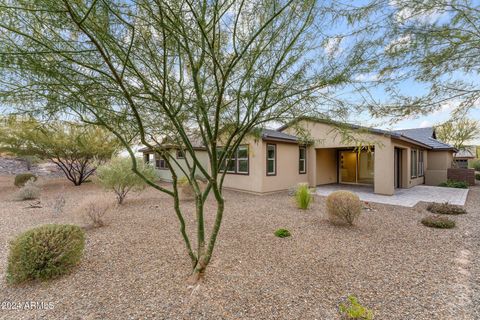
(166, 175)
(287, 174)
(437, 165)
(253, 181)
(326, 160)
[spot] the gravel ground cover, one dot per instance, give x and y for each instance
(136, 268)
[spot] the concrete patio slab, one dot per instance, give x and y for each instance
(402, 197)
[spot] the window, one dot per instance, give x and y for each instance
(242, 159)
(414, 163)
(421, 166)
(146, 157)
(180, 154)
(271, 159)
(302, 164)
(161, 164)
(238, 163)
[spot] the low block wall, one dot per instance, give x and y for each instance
(458, 174)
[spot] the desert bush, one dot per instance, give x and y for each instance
(22, 178)
(117, 176)
(45, 252)
(94, 209)
(282, 233)
(59, 204)
(29, 191)
(446, 208)
(186, 191)
(454, 184)
(438, 222)
(475, 165)
(354, 310)
(303, 196)
(343, 207)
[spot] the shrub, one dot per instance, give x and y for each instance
(454, 184)
(475, 165)
(477, 176)
(22, 178)
(29, 191)
(45, 252)
(282, 233)
(354, 310)
(59, 204)
(303, 196)
(343, 207)
(117, 176)
(438, 222)
(445, 208)
(94, 209)
(186, 191)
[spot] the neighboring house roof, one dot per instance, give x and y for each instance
(469, 152)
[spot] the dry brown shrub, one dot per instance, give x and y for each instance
(343, 207)
(93, 209)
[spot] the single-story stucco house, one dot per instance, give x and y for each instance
(279, 159)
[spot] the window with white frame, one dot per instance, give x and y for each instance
(271, 159)
(302, 160)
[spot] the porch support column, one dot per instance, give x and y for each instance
(312, 166)
(384, 173)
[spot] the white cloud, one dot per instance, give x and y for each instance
(332, 46)
(425, 124)
(365, 77)
(399, 44)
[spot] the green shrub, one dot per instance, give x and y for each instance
(29, 191)
(477, 176)
(45, 252)
(117, 176)
(22, 178)
(282, 233)
(354, 310)
(343, 207)
(454, 184)
(303, 196)
(475, 165)
(438, 222)
(446, 208)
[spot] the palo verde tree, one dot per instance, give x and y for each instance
(177, 71)
(74, 148)
(458, 132)
(427, 55)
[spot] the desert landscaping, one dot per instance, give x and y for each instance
(135, 266)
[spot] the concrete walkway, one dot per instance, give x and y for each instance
(402, 197)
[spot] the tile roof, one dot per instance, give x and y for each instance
(425, 136)
(278, 135)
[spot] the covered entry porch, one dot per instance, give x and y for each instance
(375, 168)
